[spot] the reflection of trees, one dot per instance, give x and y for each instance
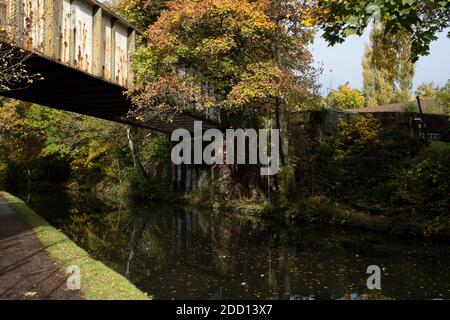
(178, 253)
(135, 239)
(110, 236)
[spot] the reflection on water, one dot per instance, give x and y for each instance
(175, 253)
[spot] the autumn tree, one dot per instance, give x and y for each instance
(244, 56)
(426, 90)
(19, 146)
(345, 98)
(438, 97)
(140, 13)
(376, 89)
(14, 73)
(387, 70)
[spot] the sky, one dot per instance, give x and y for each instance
(342, 62)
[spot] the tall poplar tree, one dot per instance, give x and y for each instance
(387, 70)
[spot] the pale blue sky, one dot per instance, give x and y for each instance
(345, 62)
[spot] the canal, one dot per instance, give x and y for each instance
(172, 252)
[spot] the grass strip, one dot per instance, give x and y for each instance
(98, 282)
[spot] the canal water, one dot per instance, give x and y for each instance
(172, 252)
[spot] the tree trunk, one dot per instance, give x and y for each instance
(283, 183)
(131, 132)
(282, 119)
(136, 237)
(11, 171)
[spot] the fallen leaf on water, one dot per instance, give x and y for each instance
(30, 294)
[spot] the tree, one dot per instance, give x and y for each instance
(376, 89)
(439, 97)
(14, 73)
(443, 97)
(387, 72)
(249, 56)
(427, 90)
(345, 98)
(141, 13)
(421, 20)
(233, 46)
(19, 146)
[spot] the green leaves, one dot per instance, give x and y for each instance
(424, 183)
(420, 19)
(373, 10)
(387, 70)
(409, 2)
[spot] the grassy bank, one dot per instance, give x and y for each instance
(323, 210)
(98, 282)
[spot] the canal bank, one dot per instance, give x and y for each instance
(321, 210)
(35, 255)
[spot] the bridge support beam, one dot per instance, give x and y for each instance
(98, 40)
(131, 48)
(16, 21)
(50, 28)
(114, 23)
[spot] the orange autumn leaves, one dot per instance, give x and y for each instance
(224, 53)
(186, 16)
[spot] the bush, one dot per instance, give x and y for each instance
(138, 187)
(363, 155)
(3, 172)
(425, 183)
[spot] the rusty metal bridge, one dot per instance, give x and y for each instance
(84, 51)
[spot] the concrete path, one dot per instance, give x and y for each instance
(26, 269)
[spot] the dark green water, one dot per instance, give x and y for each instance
(176, 253)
